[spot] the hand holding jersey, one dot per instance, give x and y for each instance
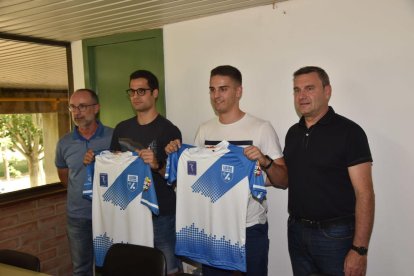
(216, 183)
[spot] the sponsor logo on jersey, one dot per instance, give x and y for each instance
(103, 179)
(191, 167)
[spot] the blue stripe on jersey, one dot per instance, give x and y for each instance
(135, 179)
(226, 172)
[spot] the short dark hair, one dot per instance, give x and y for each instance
(92, 93)
(145, 74)
(228, 71)
(323, 76)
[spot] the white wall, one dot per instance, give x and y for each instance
(366, 46)
(367, 49)
(77, 63)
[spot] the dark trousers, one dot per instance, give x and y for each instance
(257, 251)
(319, 248)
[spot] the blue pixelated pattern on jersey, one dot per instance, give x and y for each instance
(210, 249)
(101, 245)
(136, 178)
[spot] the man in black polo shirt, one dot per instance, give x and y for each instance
(331, 196)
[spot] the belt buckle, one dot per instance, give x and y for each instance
(310, 222)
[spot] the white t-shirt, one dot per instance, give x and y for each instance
(249, 130)
(123, 199)
(213, 189)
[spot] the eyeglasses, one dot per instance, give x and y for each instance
(81, 107)
(140, 91)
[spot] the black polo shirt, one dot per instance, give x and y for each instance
(318, 159)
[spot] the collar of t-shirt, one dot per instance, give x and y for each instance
(99, 132)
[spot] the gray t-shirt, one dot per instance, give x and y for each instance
(70, 150)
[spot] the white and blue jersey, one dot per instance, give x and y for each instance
(213, 188)
(123, 199)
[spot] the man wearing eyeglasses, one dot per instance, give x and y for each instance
(88, 133)
(148, 133)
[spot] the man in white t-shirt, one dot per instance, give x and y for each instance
(261, 143)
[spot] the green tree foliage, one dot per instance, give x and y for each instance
(25, 133)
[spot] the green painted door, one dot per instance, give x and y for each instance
(110, 60)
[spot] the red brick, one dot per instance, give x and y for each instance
(37, 236)
(61, 208)
(8, 221)
(47, 255)
(9, 244)
(37, 213)
(54, 271)
(16, 208)
(17, 230)
(52, 200)
(42, 234)
(32, 248)
(65, 270)
(63, 249)
(52, 242)
(52, 221)
(53, 263)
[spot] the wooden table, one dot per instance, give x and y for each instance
(10, 270)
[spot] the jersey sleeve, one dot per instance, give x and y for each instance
(171, 168)
(88, 185)
(149, 196)
(256, 180)
(172, 164)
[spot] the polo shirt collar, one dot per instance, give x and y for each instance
(326, 119)
(99, 132)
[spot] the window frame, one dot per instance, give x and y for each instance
(50, 188)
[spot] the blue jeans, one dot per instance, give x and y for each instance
(164, 239)
(319, 249)
(81, 245)
(257, 251)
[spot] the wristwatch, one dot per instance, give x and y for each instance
(360, 250)
(270, 163)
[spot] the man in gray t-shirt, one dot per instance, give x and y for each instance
(88, 133)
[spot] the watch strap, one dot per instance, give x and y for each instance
(360, 250)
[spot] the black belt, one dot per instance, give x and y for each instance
(324, 223)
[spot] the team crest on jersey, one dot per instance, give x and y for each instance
(147, 183)
(227, 172)
(132, 182)
(191, 167)
(103, 179)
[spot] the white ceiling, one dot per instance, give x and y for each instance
(34, 66)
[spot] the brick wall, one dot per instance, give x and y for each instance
(38, 227)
